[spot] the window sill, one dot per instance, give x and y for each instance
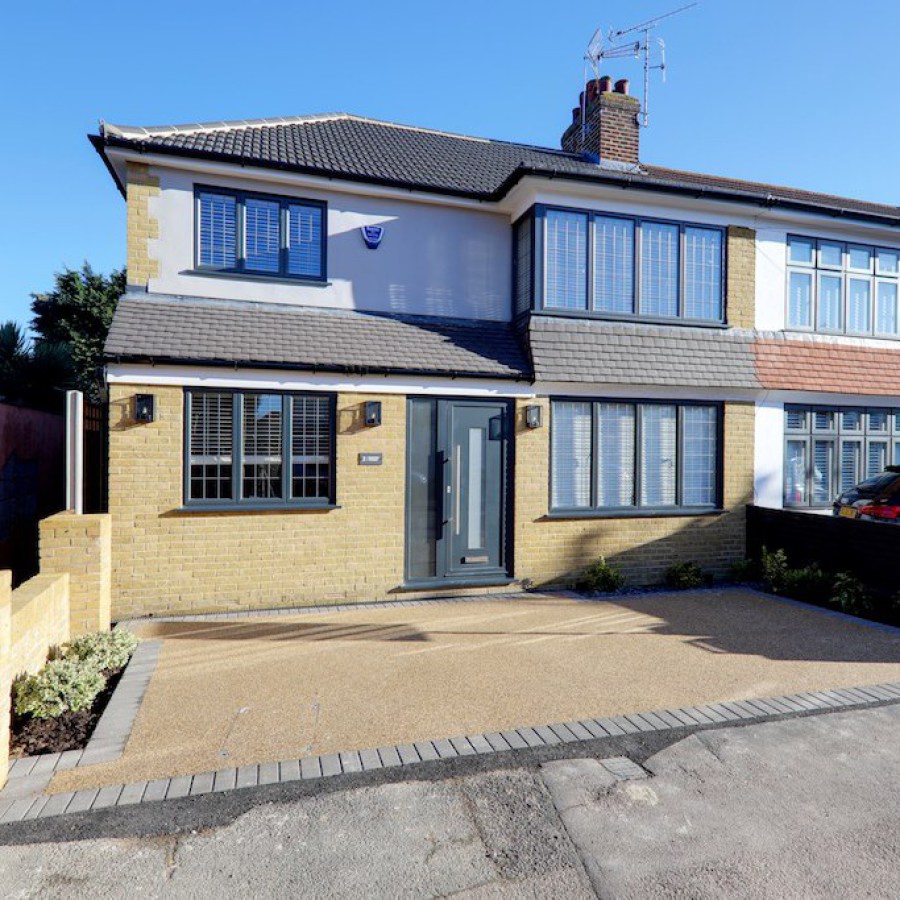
(630, 319)
(259, 276)
(243, 508)
(666, 512)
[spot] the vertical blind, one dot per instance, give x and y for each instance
(523, 265)
(566, 260)
(659, 269)
(613, 265)
(603, 453)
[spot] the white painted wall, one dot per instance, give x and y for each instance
(768, 468)
(434, 259)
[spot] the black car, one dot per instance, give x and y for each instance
(876, 499)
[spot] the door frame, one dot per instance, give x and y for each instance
(441, 432)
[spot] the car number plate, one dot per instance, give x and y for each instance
(849, 512)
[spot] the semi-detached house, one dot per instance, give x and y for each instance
(359, 360)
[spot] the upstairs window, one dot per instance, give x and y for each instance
(260, 235)
(842, 288)
(626, 267)
(251, 448)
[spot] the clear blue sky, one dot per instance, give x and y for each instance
(797, 92)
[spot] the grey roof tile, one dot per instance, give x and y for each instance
(265, 335)
(368, 150)
(626, 353)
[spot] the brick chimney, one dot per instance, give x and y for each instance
(612, 129)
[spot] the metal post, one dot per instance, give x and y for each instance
(75, 451)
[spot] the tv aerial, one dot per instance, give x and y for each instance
(615, 46)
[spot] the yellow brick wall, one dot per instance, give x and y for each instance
(141, 185)
(40, 621)
(741, 276)
(80, 547)
(556, 551)
(6, 672)
(167, 560)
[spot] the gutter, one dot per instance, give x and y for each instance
(314, 368)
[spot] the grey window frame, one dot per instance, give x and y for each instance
(873, 274)
(538, 285)
(839, 435)
(593, 511)
(236, 501)
(240, 268)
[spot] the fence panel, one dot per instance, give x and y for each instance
(870, 550)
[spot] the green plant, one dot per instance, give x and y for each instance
(686, 575)
(62, 685)
(809, 584)
(851, 596)
(601, 577)
(103, 649)
(774, 567)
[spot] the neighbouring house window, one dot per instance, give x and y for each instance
(259, 449)
(271, 236)
(611, 265)
(828, 450)
(623, 456)
(842, 288)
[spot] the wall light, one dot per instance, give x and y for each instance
(373, 412)
(143, 407)
(533, 416)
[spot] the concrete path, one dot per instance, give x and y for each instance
(235, 692)
(804, 807)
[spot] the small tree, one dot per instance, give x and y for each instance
(32, 373)
(77, 313)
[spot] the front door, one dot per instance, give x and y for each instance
(457, 489)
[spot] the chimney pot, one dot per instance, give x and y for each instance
(622, 86)
(605, 84)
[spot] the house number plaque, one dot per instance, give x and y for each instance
(370, 459)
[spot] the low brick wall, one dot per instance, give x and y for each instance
(80, 546)
(69, 597)
(40, 621)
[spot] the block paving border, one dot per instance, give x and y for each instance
(409, 755)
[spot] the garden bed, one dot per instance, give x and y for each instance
(69, 731)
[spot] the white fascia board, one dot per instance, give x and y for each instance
(267, 379)
(119, 156)
(644, 200)
(641, 391)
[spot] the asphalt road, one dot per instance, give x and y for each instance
(801, 807)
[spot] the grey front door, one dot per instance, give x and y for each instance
(457, 489)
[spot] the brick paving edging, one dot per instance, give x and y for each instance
(31, 774)
(333, 764)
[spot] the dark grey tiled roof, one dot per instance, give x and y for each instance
(265, 335)
(597, 352)
(352, 147)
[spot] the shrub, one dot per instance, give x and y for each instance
(686, 575)
(851, 596)
(601, 577)
(103, 649)
(62, 685)
(774, 568)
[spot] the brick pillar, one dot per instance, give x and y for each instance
(5, 670)
(82, 547)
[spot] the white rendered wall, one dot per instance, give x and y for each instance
(434, 260)
(768, 469)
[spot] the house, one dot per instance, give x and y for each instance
(359, 360)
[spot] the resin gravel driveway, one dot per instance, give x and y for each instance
(228, 692)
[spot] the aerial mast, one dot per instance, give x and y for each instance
(645, 46)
